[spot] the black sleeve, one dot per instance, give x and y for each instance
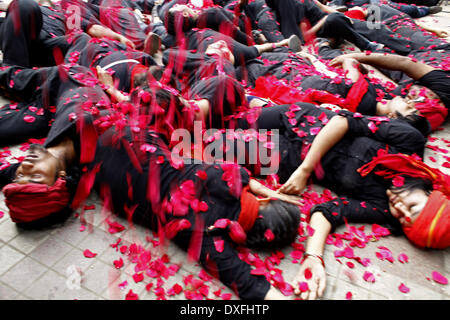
(439, 82)
(232, 271)
(345, 210)
(396, 133)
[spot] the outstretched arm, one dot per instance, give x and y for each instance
(313, 261)
(99, 31)
(330, 134)
(410, 67)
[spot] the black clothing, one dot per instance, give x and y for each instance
(153, 199)
(225, 95)
(360, 199)
(41, 93)
(439, 82)
(112, 55)
(191, 67)
(201, 39)
(290, 13)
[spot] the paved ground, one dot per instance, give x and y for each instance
(54, 264)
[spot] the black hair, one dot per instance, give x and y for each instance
(411, 183)
(271, 4)
(157, 72)
(282, 218)
(417, 121)
(174, 20)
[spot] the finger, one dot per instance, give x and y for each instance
(401, 207)
(304, 295)
(312, 289)
(322, 286)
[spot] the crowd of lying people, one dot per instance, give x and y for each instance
(328, 94)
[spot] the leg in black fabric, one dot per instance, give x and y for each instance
(338, 26)
(20, 32)
(22, 121)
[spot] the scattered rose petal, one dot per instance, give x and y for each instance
(439, 278)
(403, 258)
(131, 296)
(118, 263)
(29, 119)
(369, 277)
(403, 288)
(89, 254)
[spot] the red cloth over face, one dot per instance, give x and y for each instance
(33, 201)
(432, 227)
(249, 209)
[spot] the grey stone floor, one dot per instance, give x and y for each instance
(51, 264)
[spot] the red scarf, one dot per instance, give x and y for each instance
(281, 93)
(249, 209)
(33, 201)
(432, 228)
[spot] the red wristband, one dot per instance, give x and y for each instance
(306, 255)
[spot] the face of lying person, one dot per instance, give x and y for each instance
(39, 166)
(407, 205)
(187, 12)
(402, 106)
(416, 94)
(221, 49)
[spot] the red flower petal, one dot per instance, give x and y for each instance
(131, 296)
(269, 235)
(303, 286)
(201, 174)
(89, 254)
(348, 295)
(221, 223)
(138, 277)
(398, 181)
(118, 263)
(308, 273)
(369, 277)
(403, 288)
(29, 119)
(403, 258)
(236, 233)
(114, 227)
(439, 278)
(219, 244)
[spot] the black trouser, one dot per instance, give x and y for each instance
(338, 26)
(384, 35)
(22, 42)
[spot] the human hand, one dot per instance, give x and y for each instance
(311, 272)
(127, 42)
(339, 60)
(296, 182)
(105, 77)
(287, 198)
(441, 33)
